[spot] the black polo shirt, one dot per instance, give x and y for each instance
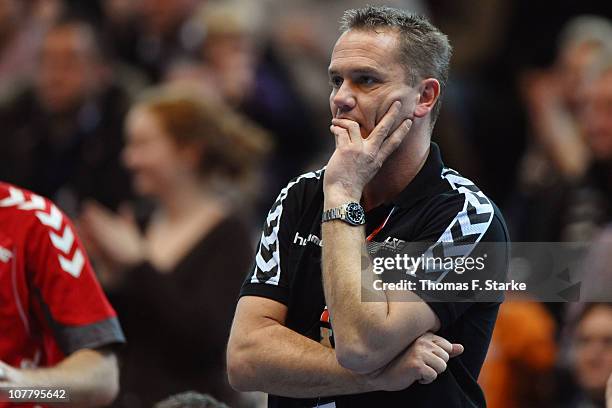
(438, 205)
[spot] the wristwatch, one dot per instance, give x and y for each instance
(351, 213)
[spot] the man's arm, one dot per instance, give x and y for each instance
(264, 355)
(90, 377)
(368, 335)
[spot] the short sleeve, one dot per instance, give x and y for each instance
(271, 274)
(460, 227)
(64, 283)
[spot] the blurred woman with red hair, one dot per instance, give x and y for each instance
(175, 284)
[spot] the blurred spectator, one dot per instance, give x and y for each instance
(190, 399)
(176, 296)
(566, 187)
(150, 34)
(255, 86)
(596, 273)
(592, 359)
(22, 26)
(588, 205)
(518, 371)
(62, 137)
(554, 101)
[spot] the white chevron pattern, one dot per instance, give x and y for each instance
(61, 238)
(15, 197)
(63, 242)
(268, 271)
(52, 219)
(36, 203)
(73, 266)
(462, 234)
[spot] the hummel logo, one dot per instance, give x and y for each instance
(303, 241)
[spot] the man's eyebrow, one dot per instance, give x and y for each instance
(356, 71)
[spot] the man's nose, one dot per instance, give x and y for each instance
(344, 99)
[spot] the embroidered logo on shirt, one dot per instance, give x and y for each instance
(298, 239)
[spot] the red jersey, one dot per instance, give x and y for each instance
(50, 301)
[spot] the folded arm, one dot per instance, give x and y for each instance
(264, 355)
(368, 335)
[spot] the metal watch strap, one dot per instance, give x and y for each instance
(335, 213)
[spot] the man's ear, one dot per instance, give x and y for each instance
(429, 93)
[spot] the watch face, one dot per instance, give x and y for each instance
(355, 214)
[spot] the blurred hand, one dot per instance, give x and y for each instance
(541, 90)
(114, 237)
(10, 377)
(423, 361)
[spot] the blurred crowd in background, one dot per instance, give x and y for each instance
(166, 128)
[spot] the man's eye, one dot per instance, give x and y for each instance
(366, 80)
(335, 82)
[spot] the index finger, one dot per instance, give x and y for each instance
(385, 126)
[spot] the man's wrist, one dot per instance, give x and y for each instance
(337, 197)
(365, 382)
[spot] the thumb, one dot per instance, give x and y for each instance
(457, 350)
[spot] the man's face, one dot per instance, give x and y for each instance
(367, 77)
(593, 345)
(66, 71)
(597, 116)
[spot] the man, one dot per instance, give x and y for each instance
(63, 136)
(585, 207)
(592, 358)
(564, 127)
(57, 328)
(387, 72)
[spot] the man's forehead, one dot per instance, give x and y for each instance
(371, 48)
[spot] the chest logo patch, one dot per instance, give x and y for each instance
(302, 241)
